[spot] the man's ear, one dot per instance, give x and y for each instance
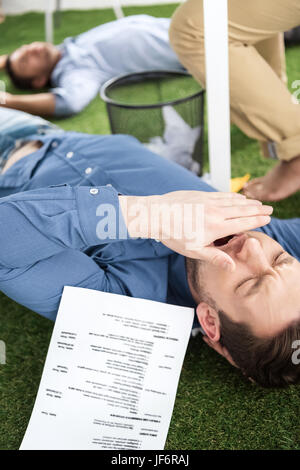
(39, 82)
(209, 320)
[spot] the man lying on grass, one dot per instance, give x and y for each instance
(94, 230)
(75, 70)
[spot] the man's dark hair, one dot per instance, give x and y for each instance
(19, 82)
(268, 361)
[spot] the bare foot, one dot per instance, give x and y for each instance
(280, 182)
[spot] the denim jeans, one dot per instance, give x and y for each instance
(16, 126)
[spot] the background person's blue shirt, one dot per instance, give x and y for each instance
(132, 44)
(48, 234)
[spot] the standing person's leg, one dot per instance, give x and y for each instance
(261, 105)
(273, 51)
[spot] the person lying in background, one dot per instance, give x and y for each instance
(260, 102)
(244, 288)
(75, 70)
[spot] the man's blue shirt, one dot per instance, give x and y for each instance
(48, 236)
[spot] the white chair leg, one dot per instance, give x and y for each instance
(49, 21)
(116, 5)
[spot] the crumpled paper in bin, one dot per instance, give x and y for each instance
(178, 141)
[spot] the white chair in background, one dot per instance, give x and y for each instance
(54, 7)
(117, 7)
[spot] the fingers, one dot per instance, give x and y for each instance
(217, 257)
(246, 211)
(219, 195)
(244, 224)
(233, 202)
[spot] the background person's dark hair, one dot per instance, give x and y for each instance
(19, 82)
(268, 361)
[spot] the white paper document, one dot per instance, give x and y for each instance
(111, 373)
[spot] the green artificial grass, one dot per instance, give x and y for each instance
(215, 407)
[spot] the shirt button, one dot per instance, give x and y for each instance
(70, 154)
(54, 144)
(88, 171)
(94, 191)
(109, 185)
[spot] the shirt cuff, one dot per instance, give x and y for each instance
(62, 107)
(100, 215)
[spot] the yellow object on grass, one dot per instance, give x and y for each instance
(236, 184)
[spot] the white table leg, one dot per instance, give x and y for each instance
(116, 4)
(49, 20)
(217, 90)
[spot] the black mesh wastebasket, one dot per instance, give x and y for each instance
(163, 109)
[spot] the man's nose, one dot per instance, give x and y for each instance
(253, 254)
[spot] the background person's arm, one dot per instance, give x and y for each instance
(3, 61)
(41, 104)
(76, 90)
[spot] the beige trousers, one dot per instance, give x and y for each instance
(261, 105)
